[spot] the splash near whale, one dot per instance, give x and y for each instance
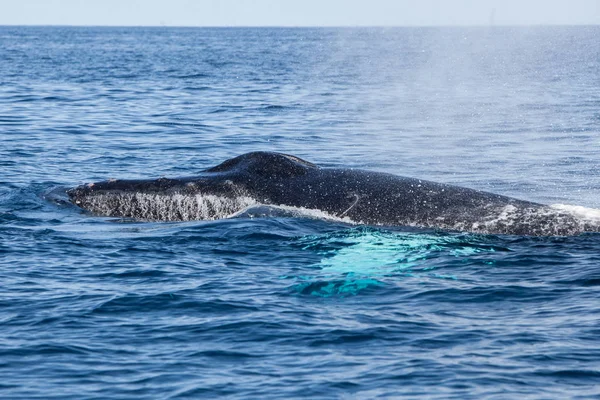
(355, 196)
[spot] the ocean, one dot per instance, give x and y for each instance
(296, 305)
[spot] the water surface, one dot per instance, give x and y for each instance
(291, 306)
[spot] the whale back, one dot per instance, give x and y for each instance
(265, 164)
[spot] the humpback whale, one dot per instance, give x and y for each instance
(357, 196)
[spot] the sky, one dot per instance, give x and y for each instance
(299, 12)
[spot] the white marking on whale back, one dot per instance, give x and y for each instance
(591, 215)
(165, 207)
(558, 220)
(261, 210)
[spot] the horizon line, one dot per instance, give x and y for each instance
(533, 25)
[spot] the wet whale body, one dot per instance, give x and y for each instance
(358, 196)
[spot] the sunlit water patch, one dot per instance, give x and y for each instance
(362, 258)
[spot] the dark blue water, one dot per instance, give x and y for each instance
(290, 307)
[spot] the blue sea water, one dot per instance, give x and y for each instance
(296, 306)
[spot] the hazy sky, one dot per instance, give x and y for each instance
(298, 12)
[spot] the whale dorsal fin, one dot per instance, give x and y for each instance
(265, 164)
